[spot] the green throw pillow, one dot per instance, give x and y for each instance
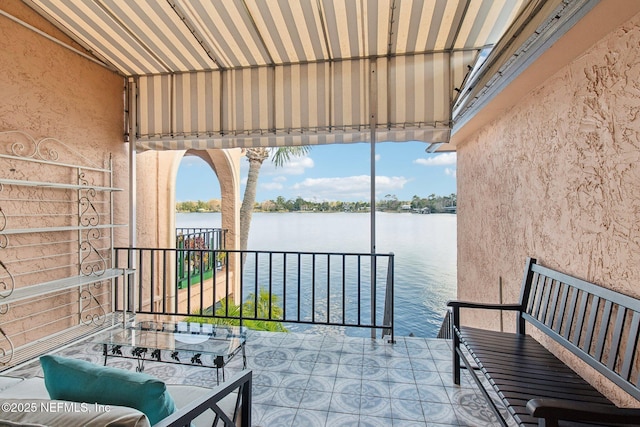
(80, 381)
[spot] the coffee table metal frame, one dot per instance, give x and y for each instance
(192, 344)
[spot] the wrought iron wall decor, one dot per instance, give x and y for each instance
(90, 187)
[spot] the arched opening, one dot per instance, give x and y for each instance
(205, 209)
(197, 191)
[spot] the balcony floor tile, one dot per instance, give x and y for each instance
(331, 380)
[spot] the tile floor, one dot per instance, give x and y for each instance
(328, 380)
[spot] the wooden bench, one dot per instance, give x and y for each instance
(598, 325)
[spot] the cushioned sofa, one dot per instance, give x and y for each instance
(27, 402)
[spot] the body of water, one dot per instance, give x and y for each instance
(424, 247)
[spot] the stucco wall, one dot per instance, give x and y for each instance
(50, 91)
(557, 178)
(155, 171)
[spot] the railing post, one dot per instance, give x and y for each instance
(374, 276)
(388, 301)
(455, 314)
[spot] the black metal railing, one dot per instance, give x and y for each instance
(308, 288)
(192, 264)
(446, 328)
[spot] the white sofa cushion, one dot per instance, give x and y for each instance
(6, 381)
(62, 413)
(30, 388)
(34, 388)
(7, 423)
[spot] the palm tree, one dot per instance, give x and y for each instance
(256, 156)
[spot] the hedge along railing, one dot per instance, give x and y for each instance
(311, 288)
(190, 264)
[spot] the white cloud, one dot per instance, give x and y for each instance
(295, 166)
(280, 179)
(450, 172)
(443, 159)
(347, 188)
(377, 157)
(271, 186)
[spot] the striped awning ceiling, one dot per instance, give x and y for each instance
(229, 73)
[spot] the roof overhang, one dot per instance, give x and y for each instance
(557, 35)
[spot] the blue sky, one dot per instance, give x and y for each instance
(335, 172)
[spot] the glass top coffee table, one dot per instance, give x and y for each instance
(182, 343)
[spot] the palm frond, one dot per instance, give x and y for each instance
(283, 154)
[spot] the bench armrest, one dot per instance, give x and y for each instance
(553, 410)
(485, 306)
(241, 382)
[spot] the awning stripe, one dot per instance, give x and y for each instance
(160, 27)
(99, 36)
(283, 139)
(306, 98)
(287, 72)
(251, 33)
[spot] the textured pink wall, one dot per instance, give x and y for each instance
(49, 91)
(557, 178)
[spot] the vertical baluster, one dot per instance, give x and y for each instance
(255, 285)
(152, 260)
(328, 288)
(313, 288)
(270, 285)
(359, 289)
(165, 269)
(284, 286)
(299, 284)
(202, 270)
(344, 289)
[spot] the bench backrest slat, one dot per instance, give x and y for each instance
(617, 335)
(599, 325)
(604, 328)
(536, 294)
(580, 319)
(563, 305)
(572, 308)
(591, 327)
(546, 292)
(551, 315)
(632, 344)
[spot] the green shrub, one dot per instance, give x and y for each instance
(248, 310)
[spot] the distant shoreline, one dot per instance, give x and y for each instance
(325, 212)
(390, 203)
